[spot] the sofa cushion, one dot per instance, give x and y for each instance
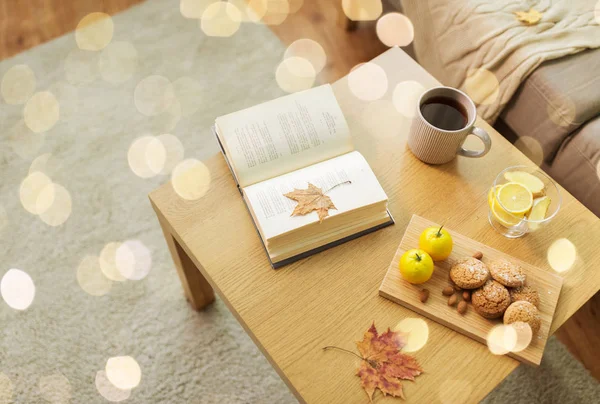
(576, 165)
(555, 100)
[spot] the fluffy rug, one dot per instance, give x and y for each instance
(54, 350)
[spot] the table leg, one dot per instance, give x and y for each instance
(196, 288)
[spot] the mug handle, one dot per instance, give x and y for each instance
(487, 144)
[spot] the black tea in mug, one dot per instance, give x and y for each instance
(445, 113)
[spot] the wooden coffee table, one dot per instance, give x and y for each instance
(332, 298)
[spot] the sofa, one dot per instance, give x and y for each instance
(567, 90)
(553, 117)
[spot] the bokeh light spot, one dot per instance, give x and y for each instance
(523, 335)
(193, 9)
(81, 67)
(247, 13)
(562, 255)
(406, 97)
(190, 179)
(531, 148)
(30, 190)
(55, 388)
(417, 333)
(94, 31)
(108, 390)
(482, 86)
(117, 62)
(308, 49)
(60, 208)
(45, 199)
(174, 152)
(562, 114)
(108, 262)
(368, 82)
(146, 156)
(136, 156)
(189, 93)
(133, 260)
(90, 277)
(454, 391)
(123, 372)
(153, 95)
(501, 339)
(6, 389)
(362, 10)
(156, 155)
(269, 12)
(395, 29)
(18, 83)
(221, 19)
(41, 112)
(295, 74)
(17, 289)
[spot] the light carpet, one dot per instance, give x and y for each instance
(53, 350)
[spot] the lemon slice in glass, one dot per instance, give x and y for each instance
(491, 194)
(505, 218)
(515, 198)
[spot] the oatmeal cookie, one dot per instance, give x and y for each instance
(491, 300)
(469, 273)
(507, 273)
(526, 293)
(525, 312)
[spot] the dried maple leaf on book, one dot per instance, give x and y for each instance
(383, 365)
(312, 198)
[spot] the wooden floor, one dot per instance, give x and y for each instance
(27, 23)
(324, 22)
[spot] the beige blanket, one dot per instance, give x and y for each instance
(481, 47)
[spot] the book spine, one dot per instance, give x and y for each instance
(214, 131)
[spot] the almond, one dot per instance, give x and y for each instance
(452, 300)
(462, 307)
(448, 291)
(478, 255)
(466, 296)
(424, 295)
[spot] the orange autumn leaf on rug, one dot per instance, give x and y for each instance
(383, 364)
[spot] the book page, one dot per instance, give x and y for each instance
(272, 209)
(285, 134)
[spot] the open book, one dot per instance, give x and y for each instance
(287, 143)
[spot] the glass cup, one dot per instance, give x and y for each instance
(546, 202)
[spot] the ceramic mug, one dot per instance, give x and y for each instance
(434, 145)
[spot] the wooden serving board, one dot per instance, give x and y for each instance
(471, 324)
